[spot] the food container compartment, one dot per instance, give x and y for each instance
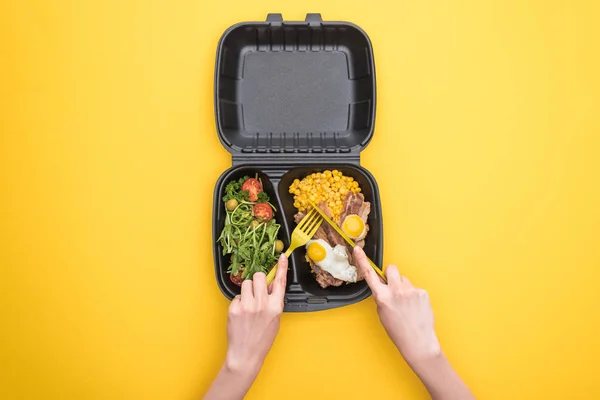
(373, 245)
(222, 262)
(293, 98)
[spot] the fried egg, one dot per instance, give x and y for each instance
(333, 260)
(354, 227)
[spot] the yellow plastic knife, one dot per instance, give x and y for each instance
(346, 238)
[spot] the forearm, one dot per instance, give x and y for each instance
(232, 383)
(440, 379)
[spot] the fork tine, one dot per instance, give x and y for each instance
(315, 228)
(312, 224)
(303, 220)
(311, 214)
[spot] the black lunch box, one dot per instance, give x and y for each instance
(293, 98)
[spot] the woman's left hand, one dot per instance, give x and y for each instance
(252, 325)
(253, 319)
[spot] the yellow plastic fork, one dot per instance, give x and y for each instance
(303, 232)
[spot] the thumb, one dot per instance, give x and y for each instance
(278, 285)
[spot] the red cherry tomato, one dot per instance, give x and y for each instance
(254, 187)
(237, 279)
(263, 211)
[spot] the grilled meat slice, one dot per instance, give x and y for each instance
(353, 204)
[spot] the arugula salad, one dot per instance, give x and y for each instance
(250, 232)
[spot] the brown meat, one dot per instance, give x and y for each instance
(325, 232)
(324, 278)
(356, 204)
(328, 234)
(333, 238)
(353, 204)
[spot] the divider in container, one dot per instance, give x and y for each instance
(292, 281)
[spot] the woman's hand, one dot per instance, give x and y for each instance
(252, 325)
(253, 320)
(406, 315)
(404, 310)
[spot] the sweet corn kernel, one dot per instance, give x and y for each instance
(328, 186)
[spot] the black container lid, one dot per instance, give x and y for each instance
(295, 91)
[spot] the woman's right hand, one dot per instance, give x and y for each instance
(406, 315)
(404, 310)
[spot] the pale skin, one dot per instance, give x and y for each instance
(252, 325)
(404, 311)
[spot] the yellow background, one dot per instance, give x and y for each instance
(486, 151)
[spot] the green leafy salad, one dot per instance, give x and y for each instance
(250, 232)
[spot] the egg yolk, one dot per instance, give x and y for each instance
(316, 252)
(353, 226)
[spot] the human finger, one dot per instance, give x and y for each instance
(259, 286)
(373, 280)
(278, 285)
(247, 290)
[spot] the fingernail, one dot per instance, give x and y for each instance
(282, 257)
(358, 250)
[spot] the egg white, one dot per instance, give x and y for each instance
(335, 261)
(362, 235)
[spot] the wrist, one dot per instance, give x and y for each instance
(241, 367)
(440, 379)
(424, 354)
(233, 381)
(426, 361)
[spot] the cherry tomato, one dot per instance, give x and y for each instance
(254, 187)
(263, 211)
(237, 279)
